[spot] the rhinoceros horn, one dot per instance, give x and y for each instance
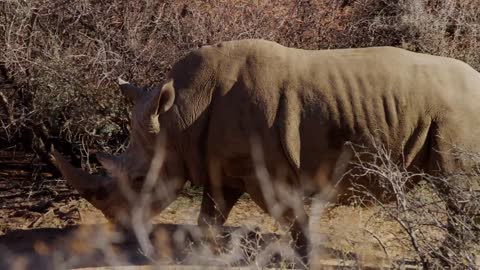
(79, 179)
(109, 162)
(132, 92)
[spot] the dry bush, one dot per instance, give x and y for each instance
(439, 218)
(60, 59)
(421, 213)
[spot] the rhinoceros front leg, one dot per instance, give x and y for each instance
(214, 211)
(289, 212)
(217, 204)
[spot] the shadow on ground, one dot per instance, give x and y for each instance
(96, 246)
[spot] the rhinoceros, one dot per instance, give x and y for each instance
(226, 108)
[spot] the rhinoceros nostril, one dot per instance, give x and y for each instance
(100, 193)
(139, 179)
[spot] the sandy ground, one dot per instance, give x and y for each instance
(41, 207)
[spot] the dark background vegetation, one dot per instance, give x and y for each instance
(60, 59)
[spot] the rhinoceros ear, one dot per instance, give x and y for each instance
(164, 99)
(132, 92)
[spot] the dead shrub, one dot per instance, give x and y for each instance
(439, 218)
(60, 60)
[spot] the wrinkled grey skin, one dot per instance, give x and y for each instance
(301, 107)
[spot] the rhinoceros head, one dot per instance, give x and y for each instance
(145, 178)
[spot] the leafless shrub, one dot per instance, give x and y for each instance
(241, 247)
(421, 213)
(60, 59)
(438, 234)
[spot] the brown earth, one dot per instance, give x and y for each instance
(38, 209)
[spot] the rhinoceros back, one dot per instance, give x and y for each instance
(311, 102)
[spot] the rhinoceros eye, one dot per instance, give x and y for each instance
(137, 183)
(139, 179)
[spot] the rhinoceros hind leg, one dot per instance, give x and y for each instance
(453, 188)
